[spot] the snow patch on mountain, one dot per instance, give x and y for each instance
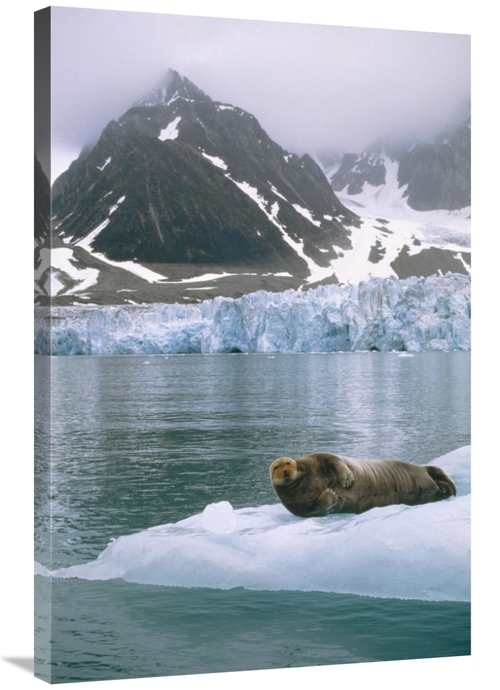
(316, 273)
(130, 266)
(275, 191)
(389, 224)
(171, 131)
(59, 264)
(307, 215)
(113, 208)
(88, 239)
(218, 162)
(106, 162)
(207, 277)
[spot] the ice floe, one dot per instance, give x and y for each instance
(418, 552)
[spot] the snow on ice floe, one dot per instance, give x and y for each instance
(412, 315)
(418, 552)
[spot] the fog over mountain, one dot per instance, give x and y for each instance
(312, 87)
(185, 197)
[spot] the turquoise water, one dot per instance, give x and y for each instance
(142, 441)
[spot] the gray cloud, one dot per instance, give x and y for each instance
(311, 87)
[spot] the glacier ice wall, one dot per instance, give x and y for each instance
(413, 315)
(418, 552)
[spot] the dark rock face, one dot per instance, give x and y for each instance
(42, 203)
(180, 178)
(438, 174)
(429, 261)
(355, 170)
(377, 252)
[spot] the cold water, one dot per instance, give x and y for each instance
(141, 442)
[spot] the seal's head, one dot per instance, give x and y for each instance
(283, 471)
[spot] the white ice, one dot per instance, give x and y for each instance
(410, 315)
(219, 518)
(419, 552)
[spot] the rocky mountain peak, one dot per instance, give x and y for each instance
(173, 86)
(181, 186)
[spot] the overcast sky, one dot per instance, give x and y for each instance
(311, 87)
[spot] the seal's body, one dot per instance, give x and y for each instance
(323, 483)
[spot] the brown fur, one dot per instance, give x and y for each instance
(323, 483)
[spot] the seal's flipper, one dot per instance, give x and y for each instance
(446, 484)
(343, 472)
(336, 467)
(327, 501)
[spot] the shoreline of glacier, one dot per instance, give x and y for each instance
(381, 314)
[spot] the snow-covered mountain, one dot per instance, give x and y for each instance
(182, 186)
(414, 203)
(41, 205)
(184, 198)
(434, 173)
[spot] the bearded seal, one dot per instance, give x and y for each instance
(323, 483)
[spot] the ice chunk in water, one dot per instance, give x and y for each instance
(406, 552)
(219, 518)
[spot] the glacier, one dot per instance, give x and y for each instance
(384, 314)
(403, 552)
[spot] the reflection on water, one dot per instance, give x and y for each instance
(119, 630)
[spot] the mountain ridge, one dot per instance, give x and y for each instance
(435, 171)
(183, 198)
(190, 141)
